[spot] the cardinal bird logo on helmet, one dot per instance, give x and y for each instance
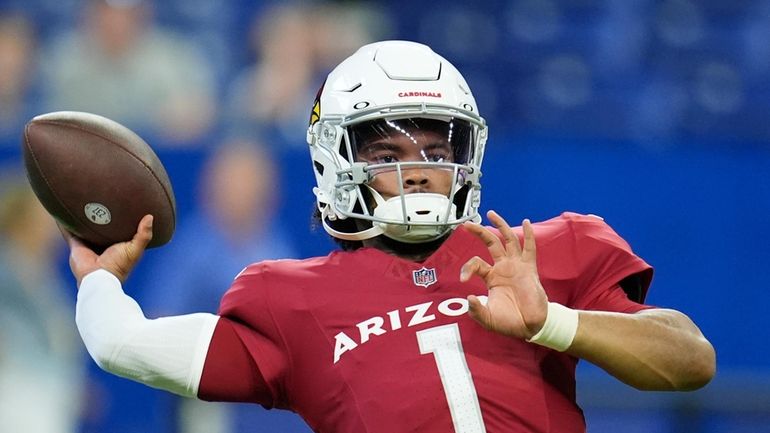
(315, 115)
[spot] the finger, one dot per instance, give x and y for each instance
(66, 234)
(530, 250)
(82, 258)
(474, 266)
(491, 240)
(73, 241)
(479, 312)
(511, 240)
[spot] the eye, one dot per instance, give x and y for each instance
(383, 158)
(437, 155)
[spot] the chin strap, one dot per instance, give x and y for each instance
(355, 236)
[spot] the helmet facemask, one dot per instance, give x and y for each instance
(412, 179)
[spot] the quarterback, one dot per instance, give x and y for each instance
(424, 320)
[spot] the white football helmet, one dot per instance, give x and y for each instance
(396, 92)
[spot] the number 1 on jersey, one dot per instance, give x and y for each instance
(447, 349)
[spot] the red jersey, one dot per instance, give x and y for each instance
(364, 341)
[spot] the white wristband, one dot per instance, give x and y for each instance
(559, 328)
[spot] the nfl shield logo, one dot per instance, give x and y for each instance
(424, 277)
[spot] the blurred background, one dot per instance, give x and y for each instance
(654, 114)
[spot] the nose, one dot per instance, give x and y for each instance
(416, 180)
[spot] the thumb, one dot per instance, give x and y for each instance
(142, 237)
(121, 258)
(143, 234)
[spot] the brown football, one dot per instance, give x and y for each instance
(97, 177)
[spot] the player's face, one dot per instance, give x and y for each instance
(422, 146)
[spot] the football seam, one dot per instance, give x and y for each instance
(157, 180)
(51, 188)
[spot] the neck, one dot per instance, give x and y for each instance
(414, 252)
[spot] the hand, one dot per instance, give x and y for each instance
(119, 259)
(517, 304)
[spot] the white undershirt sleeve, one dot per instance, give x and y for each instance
(166, 353)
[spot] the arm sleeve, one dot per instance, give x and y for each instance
(166, 353)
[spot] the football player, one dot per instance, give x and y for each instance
(425, 320)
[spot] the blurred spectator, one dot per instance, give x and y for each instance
(233, 225)
(119, 64)
(294, 46)
(340, 29)
(40, 354)
(17, 65)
